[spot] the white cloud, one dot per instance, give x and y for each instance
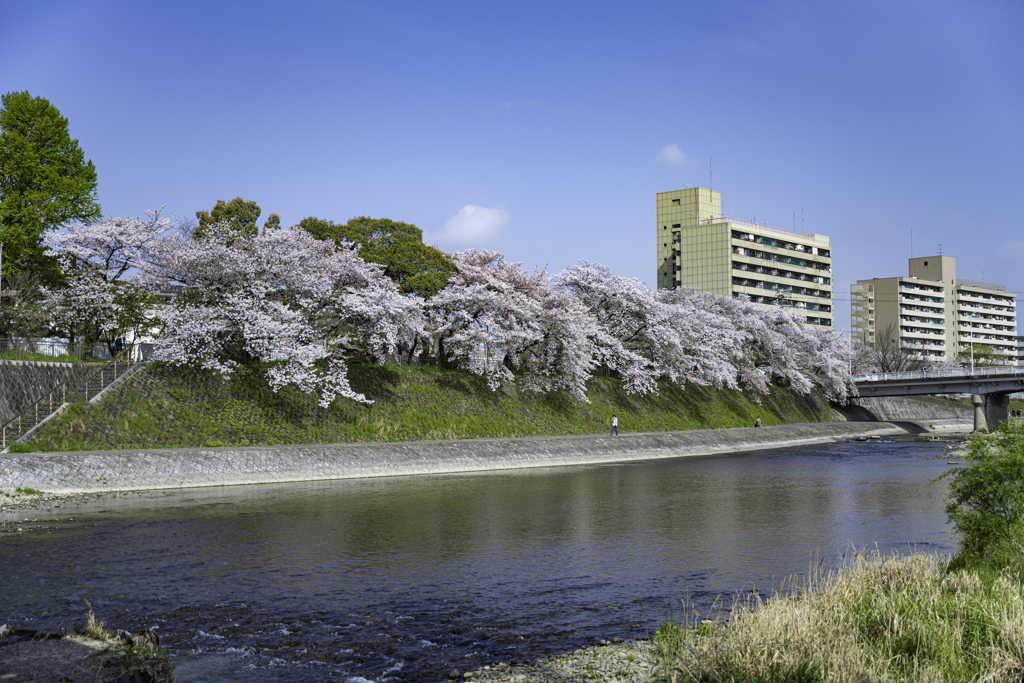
(473, 225)
(671, 155)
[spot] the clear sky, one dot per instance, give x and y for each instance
(544, 129)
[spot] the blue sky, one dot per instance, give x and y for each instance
(540, 128)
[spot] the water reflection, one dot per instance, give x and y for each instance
(356, 578)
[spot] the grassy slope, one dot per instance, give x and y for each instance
(164, 407)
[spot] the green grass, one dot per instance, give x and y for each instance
(17, 354)
(29, 491)
(168, 407)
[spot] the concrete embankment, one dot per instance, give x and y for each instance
(101, 471)
(22, 382)
(919, 408)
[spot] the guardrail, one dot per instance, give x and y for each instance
(999, 371)
(761, 226)
(83, 390)
(980, 285)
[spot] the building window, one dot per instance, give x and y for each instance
(676, 202)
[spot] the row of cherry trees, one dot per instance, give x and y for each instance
(312, 306)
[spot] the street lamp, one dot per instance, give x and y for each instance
(972, 316)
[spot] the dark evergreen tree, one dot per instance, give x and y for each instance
(45, 182)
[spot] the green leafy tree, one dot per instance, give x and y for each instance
(273, 222)
(983, 355)
(986, 495)
(416, 268)
(242, 214)
(45, 182)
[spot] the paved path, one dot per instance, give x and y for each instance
(100, 471)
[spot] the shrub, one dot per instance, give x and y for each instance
(986, 495)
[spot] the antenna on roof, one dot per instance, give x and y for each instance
(940, 248)
(711, 175)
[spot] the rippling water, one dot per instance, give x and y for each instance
(407, 578)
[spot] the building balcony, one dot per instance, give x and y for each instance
(922, 333)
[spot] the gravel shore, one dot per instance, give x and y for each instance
(625, 662)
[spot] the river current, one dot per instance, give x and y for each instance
(406, 578)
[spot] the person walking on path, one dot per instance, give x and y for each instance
(757, 422)
(615, 426)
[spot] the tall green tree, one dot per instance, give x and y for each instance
(242, 214)
(982, 354)
(416, 268)
(45, 182)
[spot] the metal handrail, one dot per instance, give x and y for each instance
(939, 374)
(31, 416)
(980, 285)
(769, 228)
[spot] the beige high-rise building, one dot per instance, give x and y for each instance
(699, 247)
(934, 314)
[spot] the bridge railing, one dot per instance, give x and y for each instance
(999, 371)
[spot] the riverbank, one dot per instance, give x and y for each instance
(163, 406)
(83, 655)
(130, 470)
(625, 662)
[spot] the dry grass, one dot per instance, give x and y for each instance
(872, 619)
(93, 629)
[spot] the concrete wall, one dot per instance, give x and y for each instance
(907, 408)
(97, 471)
(22, 382)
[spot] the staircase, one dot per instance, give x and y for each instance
(68, 392)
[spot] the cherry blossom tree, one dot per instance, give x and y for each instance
(828, 360)
(565, 352)
(650, 334)
(305, 305)
(554, 333)
(106, 293)
(511, 325)
(485, 317)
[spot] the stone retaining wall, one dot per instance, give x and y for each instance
(22, 382)
(99, 471)
(889, 408)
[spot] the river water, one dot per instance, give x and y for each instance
(407, 578)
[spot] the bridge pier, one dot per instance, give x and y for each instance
(990, 410)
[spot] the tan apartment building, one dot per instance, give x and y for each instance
(935, 314)
(699, 247)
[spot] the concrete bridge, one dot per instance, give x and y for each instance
(990, 388)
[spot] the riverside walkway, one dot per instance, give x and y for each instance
(106, 471)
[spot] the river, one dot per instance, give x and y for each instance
(406, 578)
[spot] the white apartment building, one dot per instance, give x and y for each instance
(936, 314)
